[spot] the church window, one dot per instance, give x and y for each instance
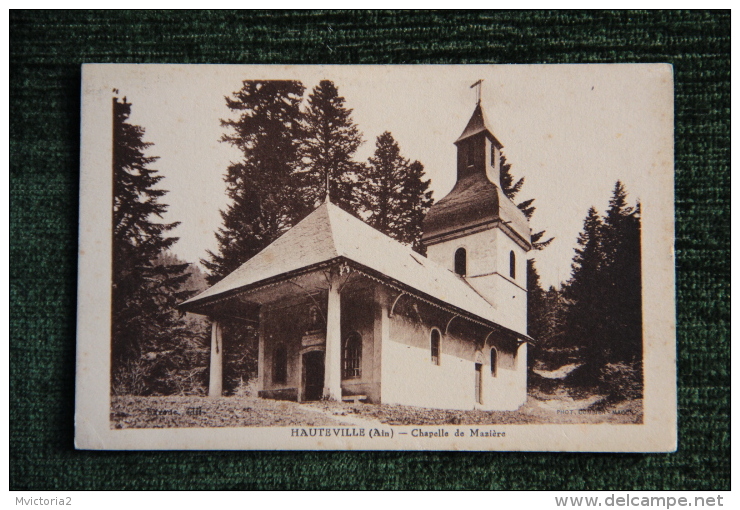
(470, 155)
(435, 346)
(280, 365)
(512, 265)
(352, 356)
(494, 361)
(461, 262)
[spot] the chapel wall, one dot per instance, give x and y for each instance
(480, 248)
(411, 378)
(511, 305)
(506, 388)
(488, 268)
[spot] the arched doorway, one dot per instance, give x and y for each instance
(313, 375)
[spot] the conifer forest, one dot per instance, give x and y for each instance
(297, 149)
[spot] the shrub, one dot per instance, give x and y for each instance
(623, 381)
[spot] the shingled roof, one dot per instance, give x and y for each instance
(478, 123)
(329, 233)
(473, 201)
(476, 199)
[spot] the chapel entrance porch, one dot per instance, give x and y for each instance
(316, 336)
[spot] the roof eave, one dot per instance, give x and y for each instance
(442, 304)
(193, 305)
(482, 130)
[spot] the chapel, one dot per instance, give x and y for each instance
(344, 312)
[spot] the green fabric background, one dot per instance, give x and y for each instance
(46, 50)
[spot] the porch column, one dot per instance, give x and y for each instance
(381, 334)
(215, 383)
(333, 356)
(261, 351)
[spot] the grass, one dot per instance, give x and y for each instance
(195, 411)
(559, 405)
(536, 410)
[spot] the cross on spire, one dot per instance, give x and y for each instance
(478, 84)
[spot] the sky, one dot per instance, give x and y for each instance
(571, 131)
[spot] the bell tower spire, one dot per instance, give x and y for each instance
(476, 231)
(478, 150)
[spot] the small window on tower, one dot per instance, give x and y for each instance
(470, 155)
(461, 262)
(512, 265)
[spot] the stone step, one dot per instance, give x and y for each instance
(354, 398)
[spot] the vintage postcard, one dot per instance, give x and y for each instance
(377, 257)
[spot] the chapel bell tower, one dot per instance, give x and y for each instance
(477, 232)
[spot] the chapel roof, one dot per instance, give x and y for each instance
(474, 200)
(329, 233)
(478, 123)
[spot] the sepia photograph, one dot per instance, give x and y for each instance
(377, 257)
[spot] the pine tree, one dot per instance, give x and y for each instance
(622, 277)
(415, 201)
(266, 199)
(554, 317)
(144, 293)
(511, 189)
(551, 352)
(380, 185)
(604, 316)
(589, 258)
(393, 194)
(585, 290)
(537, 325)
(177, 362)
(331, 140)
(265, 192)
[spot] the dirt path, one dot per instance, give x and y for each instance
(341, 415)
